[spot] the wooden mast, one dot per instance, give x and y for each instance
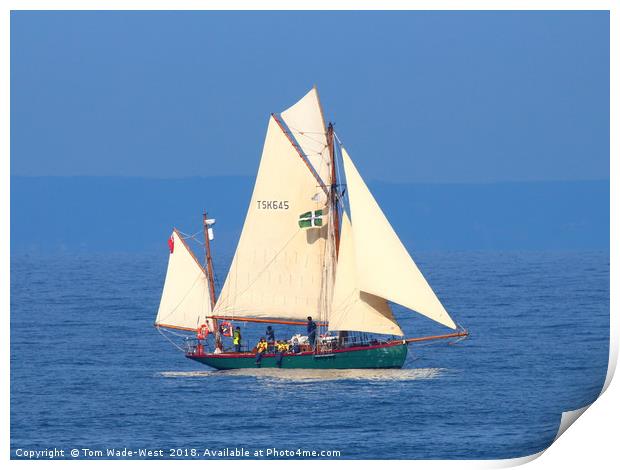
(334, 186)
(342, 335)
(211, 279)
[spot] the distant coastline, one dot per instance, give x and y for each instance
(131, 214)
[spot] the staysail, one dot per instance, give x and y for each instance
(384, 267)
(352, 309)
(277, 268)
(185, 300)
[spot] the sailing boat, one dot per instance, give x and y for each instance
(315, 243)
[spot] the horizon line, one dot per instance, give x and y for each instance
(380, 181)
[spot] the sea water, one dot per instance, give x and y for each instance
(88, 370)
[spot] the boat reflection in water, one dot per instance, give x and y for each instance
(316, 375)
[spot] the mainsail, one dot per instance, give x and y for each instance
(352, 309)
(185, 299)
(277, 270)
(384, 267)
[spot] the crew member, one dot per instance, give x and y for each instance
(282, 347)
(271, 338)
(237, 339)
(261, 347)
(311, 329)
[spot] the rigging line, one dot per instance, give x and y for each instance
(338, 139)
(194, 239)
(330, 269)
(216, 279)
(346, 301)
(186, 236)
(322, 301)
(305, 134)
(339, 198)
(338, 169)
(299, 150)
(191, 252)
(170, 341)
(264, 269)
(325, 157)
(172, 332)
(438, 342)
(318, 154)
(313, 140)
(348, 309)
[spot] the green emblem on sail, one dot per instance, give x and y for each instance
(311, 219)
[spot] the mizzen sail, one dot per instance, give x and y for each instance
(185, 300)
(383, 265)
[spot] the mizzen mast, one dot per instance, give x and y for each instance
(210, 278)
(209, 260)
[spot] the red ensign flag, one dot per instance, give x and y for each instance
(171, 244)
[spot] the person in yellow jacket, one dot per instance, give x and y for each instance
(237, 339)
(261, 347)
(282, 347)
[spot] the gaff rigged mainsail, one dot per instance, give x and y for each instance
(185, 300)
(276, 272)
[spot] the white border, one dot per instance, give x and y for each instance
(592, 443)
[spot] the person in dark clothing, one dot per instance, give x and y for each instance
(311, 330)
(271, 335)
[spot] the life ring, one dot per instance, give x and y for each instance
(202, 332)
(226, 328)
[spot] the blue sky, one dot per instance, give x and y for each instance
(416, 96)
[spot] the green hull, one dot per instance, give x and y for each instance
(384, 356)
